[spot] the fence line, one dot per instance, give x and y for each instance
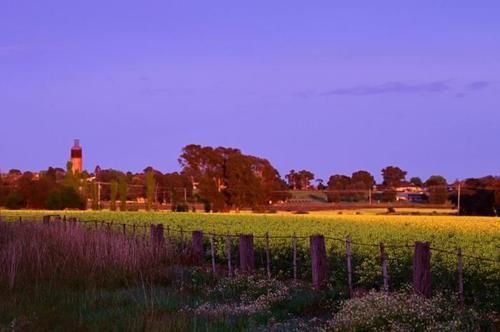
(183, 230)
(421, 270)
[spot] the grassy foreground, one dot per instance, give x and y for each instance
(157, 295)
(72, 277)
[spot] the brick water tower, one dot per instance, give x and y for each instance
(76, 157)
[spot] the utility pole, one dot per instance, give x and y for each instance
(458, 197)
(370, 196)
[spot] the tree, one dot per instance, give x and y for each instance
(363, 180)
(225, 178)
(337, 185)
(242, 185)
(416, 181)
(177, 190)
(291, 179)
(65, 197)
(122, 192)
(479, 196)
(305, 177)
(320, 185)
(15, 200)
(71, 179)
(150, 189)
(393, 176)
(300, 180)
(204, 166)
(113, 194)
(94, 194)
(437, 188)
(3, 191)
(361, 183)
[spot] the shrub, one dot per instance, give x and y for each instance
(64, 198)
(243, 295)
(389, 196)
(181, 208)
(403, 311)
(15, 201)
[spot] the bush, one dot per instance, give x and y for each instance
(65, 198)
(181, 208)
(15, 201)
(207, 206)
(263, 210)
(403, 311)
(243, 295)
(389, 196)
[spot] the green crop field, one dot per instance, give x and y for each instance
(475, 235)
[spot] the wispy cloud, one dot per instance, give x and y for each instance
(478, 85)
(391, 87)
(474, 86)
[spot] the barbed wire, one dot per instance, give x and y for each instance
(182, 230)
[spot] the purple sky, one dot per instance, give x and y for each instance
(317, 85)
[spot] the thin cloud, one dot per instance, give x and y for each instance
(478, 85)
(391, 87)
(474, 87)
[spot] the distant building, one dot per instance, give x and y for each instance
(76, 157)
(407, 187)
(413, 197)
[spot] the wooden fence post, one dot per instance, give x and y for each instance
(72, 222)
(385, 273)
(152, 233)
(228, 254)
(268, 256)
(319, 263)
(160, 237)
(422, 269)
(212, 252)
(349, 264)
(294, 257)
(182, 239)
(460, 278)
(247, 256)
(197, 247)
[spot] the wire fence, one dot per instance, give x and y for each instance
(225, 249)
(185, 230)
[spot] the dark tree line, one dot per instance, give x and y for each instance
(479, 196)
(224, 178)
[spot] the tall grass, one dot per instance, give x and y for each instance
(34, 254)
